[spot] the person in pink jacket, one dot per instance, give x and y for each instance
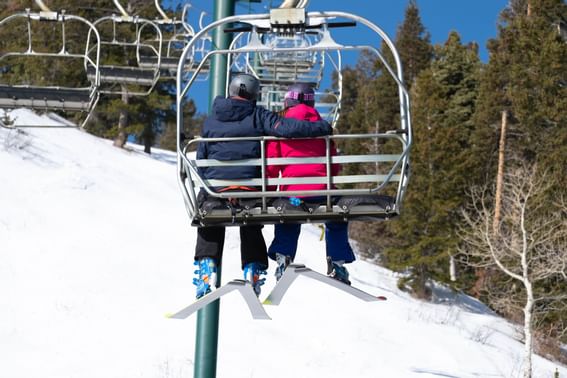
(299, 104)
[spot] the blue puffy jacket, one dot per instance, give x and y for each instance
(239, 118)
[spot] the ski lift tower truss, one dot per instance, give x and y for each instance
(374, 194)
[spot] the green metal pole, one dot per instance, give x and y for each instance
(221, 40)
(206, 337)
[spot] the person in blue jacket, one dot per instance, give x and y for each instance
(238, 116)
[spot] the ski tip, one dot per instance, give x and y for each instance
(169, 315)
(267, 301)
(381, 298)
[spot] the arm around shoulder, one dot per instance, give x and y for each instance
(278, 126)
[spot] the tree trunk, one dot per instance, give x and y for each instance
(148, 143)
(500, 174)
(452, 268)
(528, 312)
(120, 139)
(528, 308)
(481, 273)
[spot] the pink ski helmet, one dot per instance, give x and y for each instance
(299, 93)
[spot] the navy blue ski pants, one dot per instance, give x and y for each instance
(336, 239)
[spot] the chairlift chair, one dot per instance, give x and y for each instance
(40, 96)
(306, 68)
(376, 194)
(176, 33)
(134, 35)
(277, 68)
(287, 67)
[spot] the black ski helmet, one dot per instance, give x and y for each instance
(245, 86)
(299, 93)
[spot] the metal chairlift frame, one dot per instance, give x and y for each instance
(54, 98)
(312, 72)
(182, 32)
(201, 50)
(266, 59)
(273, 94)
(278, 91)
(130, 75)
(264, 212)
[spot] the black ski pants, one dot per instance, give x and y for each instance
(210, 243)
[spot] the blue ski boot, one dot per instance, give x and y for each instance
(207, 272)
(252, 273)
(336, 270)
(283, 261)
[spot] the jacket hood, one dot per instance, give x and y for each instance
(230, 109)
(303, 112)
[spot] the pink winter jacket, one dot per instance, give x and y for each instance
(300, 148)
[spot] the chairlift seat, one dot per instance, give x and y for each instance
(126, 75)
(195, 63)
(72, 99)
(218, 212)
(169, 63)
(285, 81)
(292, 63)
(285, 70)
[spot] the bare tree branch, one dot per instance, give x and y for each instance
(528, 244)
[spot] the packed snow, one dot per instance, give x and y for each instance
(96, 248)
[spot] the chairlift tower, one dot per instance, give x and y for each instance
(206, 338)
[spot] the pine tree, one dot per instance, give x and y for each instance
(192, 127)
(115, 117)
(377, 108)
(376, 95)
(526, 78)
(444, 99)
(413, 43)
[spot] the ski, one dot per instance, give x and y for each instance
(243, 287)
(295, 270)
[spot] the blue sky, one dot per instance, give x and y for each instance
(473, 20)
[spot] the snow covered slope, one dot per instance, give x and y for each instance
(96, 247)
